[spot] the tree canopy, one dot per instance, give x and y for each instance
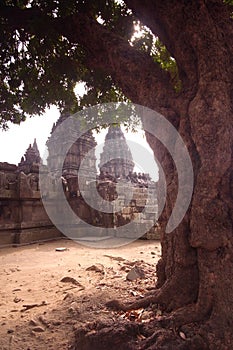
(49, 46)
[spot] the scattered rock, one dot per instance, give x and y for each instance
(147, 315)
(38, 329)
(61, 249)
(32, 322)
(125, 268)
(44, 321)
(97, 268)
(117, 258)
(73, 307)
(72, 280)
(10, 331)
(68, 296)
(30, 306)
(17, 300)
(153, 253)
(135, 273)
(14, 269)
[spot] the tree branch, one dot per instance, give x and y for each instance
(18, 18)
(178, 25)
(169, 23)
(133, 71)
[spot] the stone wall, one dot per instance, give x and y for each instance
(129, 202)
(23, 218)
(22, 215)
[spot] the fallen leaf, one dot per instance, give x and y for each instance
(182, 335)
(141, 337)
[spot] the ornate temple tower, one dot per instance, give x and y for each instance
(31, 161)
(116, 158)
(79, 149)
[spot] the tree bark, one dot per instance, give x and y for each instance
(195, 272)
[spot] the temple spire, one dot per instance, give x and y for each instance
(116, 158)
(82, 145)
(30, 159)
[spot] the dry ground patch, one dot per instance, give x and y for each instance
(46, 294)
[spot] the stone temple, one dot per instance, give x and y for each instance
(116, 158)
(23, 218)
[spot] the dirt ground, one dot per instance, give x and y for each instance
(47, 294)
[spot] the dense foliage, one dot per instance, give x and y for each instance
(41, 66)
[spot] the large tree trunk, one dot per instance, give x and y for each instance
(202, 244)
(195, 273)
(195, 282)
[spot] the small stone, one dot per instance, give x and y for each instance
(72, 280)
(10, 331)
(44, 321)
(33, 322)
(97, 268)
(17, 300)
(135, 273)
(68, 296)
(73, 308)
(153, 253)
(146, 315)
(61, 249)
(38, 329)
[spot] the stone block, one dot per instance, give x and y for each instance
(31, 235)
(7, 237)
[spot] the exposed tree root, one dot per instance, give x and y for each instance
(106, 336)
(165, 339)
(188, 328)
(185, 315)
(142, 303)
(165, 295)
(127, 335)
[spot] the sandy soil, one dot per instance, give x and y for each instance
(46, 294)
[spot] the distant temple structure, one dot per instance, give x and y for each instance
(31, 160)
(23, 218)
(116, 158)
(84, 144)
